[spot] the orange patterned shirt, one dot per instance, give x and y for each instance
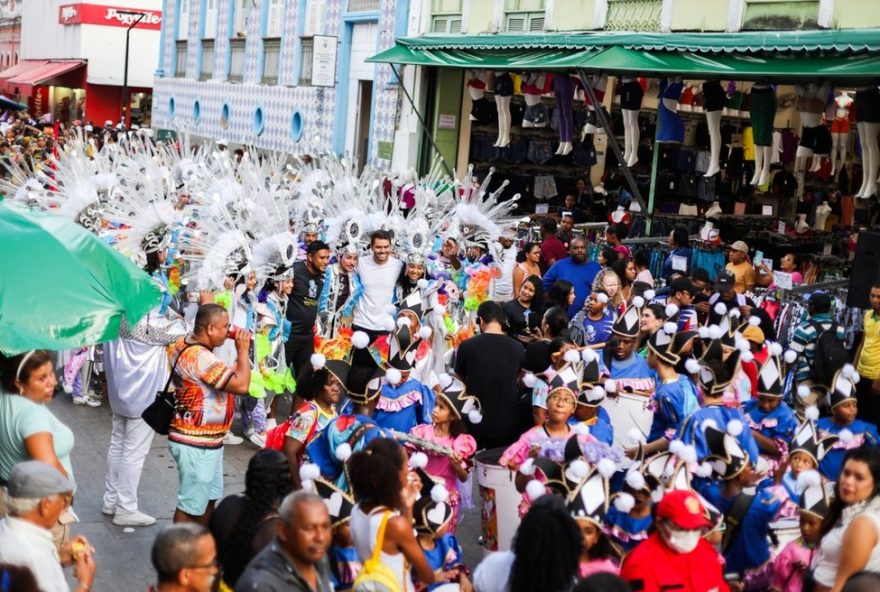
(198, 379)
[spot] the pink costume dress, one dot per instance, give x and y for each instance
(440, 466)
(586, 569)
(789, 567)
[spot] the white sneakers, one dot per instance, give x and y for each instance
(133, 519)
(231, 439)
(258, 439)
(88, 400)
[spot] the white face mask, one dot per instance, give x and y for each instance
(683, 541)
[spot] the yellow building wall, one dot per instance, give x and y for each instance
(573, 15)
(699, 15)
(480, 16)
(856, 14)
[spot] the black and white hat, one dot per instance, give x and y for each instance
(339, 504)
(806, 439)
(627, 324)
(814, 498)
(726, 456)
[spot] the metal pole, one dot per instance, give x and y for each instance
(140, 17)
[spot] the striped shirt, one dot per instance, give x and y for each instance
(804, 343)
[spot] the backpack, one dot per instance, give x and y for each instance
(829, 356)
(375, 576)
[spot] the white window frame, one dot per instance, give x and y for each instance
(307, 47)
(363, 5)
(525, 16)
(237, 48)
(207, 59)
(271, 46)
(180, 58)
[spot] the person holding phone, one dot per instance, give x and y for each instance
(522, 314)
(789, 264)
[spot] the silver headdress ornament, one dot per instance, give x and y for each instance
(479, 216)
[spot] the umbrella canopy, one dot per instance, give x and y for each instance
(61, 286)
(7, 103)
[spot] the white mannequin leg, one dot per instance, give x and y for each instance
(503, 104)
(713, 119)
(634, 134)
(817, 162)
(759, 165)
(872, 162)
(800, 159)
(627, 139)
(765, 170)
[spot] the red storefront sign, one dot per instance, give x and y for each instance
(108, 16)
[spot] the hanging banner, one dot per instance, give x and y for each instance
(108, 16)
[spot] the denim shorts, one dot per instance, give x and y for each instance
(200, 472)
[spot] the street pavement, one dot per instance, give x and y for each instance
(123, 554)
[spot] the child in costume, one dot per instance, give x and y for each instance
(675, 397)
(539, 383)
(589, 410)
(588, 505)
(448, 432)
(850, 431)
(797, 556)
(343, 558)
(432, 515)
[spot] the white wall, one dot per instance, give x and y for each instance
(409, 133)
(43, 37)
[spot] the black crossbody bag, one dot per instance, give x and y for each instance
(161, 411)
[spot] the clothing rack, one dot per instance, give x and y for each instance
(829, 285)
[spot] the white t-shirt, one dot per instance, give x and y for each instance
(378, 289)
(503, 285)
(828, 559)
(27, 545)
(493, 573)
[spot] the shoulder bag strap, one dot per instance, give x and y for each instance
(174, 366)
(380, 537)
(734, 518)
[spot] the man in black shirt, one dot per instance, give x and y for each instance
(302, 307)
(489, 364)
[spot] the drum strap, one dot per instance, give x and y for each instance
(734, 518)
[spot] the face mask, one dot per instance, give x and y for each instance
(683, 541)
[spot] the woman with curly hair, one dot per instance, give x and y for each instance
(243, 525)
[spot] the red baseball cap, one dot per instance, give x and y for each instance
(684, 508)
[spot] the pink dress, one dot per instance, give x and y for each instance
(595, 566)
(789, 566)
(441, 467)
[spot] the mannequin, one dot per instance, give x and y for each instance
(815, 137)
(598, 82)
(620, 215)
(822, 213)
(563, 90)
(713, 104)
(801, 225)
(714, 211)
(868, 115)
(762, 112)
(840, 131)
(534, 85)
(481, 110)
(631, 95)
(503, 95)
(686, 102)
(670, 126)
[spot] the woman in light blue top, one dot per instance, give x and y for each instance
(28, 429)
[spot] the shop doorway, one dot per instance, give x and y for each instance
(362, 122)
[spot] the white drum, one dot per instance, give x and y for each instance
(499, 501)
(628, 411)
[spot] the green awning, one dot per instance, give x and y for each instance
(494, 59)
(777, 66)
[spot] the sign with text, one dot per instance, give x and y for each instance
(324, 60)
(108, 16)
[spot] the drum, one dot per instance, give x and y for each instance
(628, 411)
(786, 530)
(499, 501)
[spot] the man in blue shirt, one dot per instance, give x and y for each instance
(575, 269)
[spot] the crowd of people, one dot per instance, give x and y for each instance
(407, 325)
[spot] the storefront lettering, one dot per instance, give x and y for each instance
(108, 16)
(152, 18)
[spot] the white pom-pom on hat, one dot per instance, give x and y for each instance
(671, 309)
(708, 423)
(715, 332)
(571, 356)
(588, 355)
(811, 412)
(418, 460)
(393, 376)
(803, 391)
(650, 294)
(688, 454)
(603, 298)
(670, 328)
(439, 494)
(610, 386)
(703, 332)
(809, 478)
(360, 340)
(425, 332)
(422, 283)
(391, 309)
(577, 469)
(597, 393)
(704, 470)
(638, 302)
(692, 366)
(845, 436)
(721, 308)
(790, 356)
(635, 479)
(581, 429)
(675, 447)
(746, 356)
(624, 502)
(404, 320)
(535, 489)
(657, 495)
(474, 416)
(847, 371)
(635, 436)
(754, 321)
(317, 361)
(445, 380)
(606, 467)
(856, 378)
(389, 324)
(735, 313)
(343, 451)
(735, 427)
(529, 379)
(309, 472)
(742, 344)
(775, 349)
(528, 467)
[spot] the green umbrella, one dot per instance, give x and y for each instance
(61, 286)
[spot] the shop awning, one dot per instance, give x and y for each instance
(42, 75)
(21, 67)
(789, 54)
